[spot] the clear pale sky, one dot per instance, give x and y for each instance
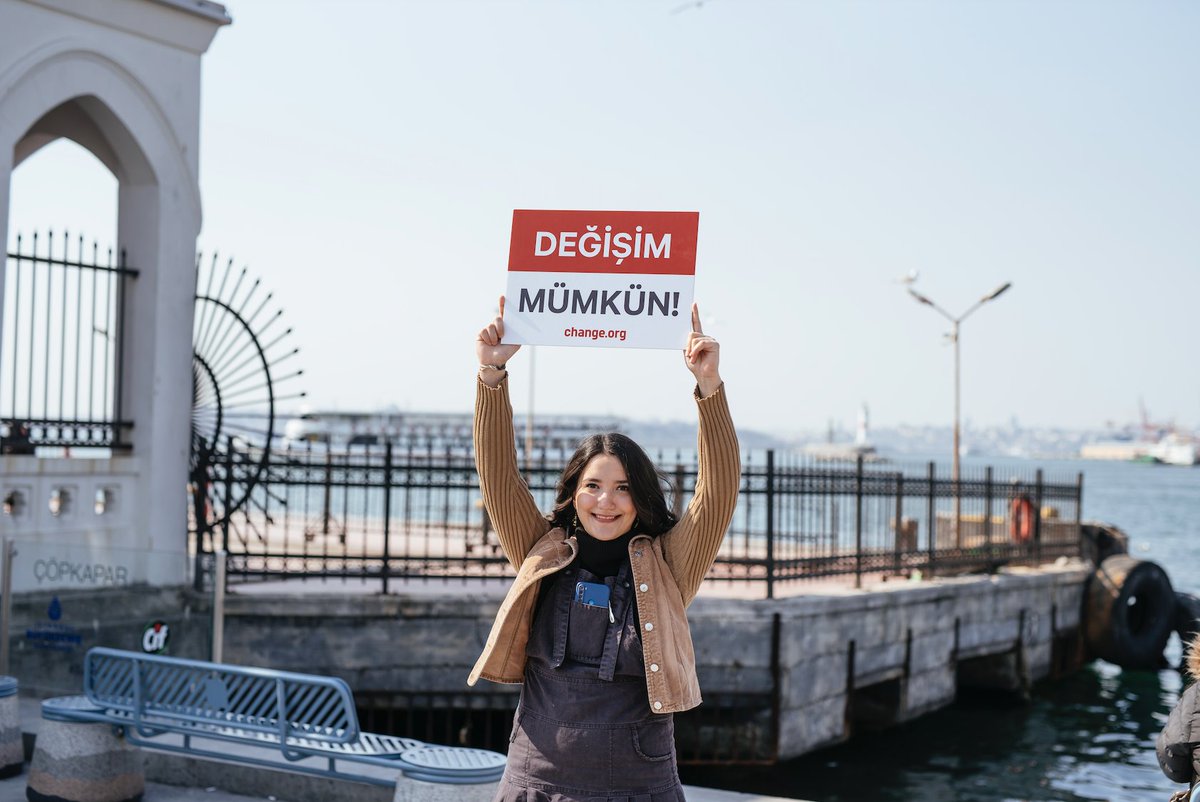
(364, 158)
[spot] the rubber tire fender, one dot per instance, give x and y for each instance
(1130, 612)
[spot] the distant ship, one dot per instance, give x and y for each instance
(1176, 449)
(1161, 443)
(860, 447)
(1173, 449)
(342, 430)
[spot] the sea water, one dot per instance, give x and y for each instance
(1089, 736)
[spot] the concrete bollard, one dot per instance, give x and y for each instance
(408, 790)
(83, 762)
(12, 752)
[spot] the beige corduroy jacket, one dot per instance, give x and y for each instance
(667, 570)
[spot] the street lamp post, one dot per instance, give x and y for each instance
(955, 322)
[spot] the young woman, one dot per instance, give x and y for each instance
(594, 624)
(1177, 745)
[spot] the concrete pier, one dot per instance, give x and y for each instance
(873, 659)
(844, 660)
(795, 673)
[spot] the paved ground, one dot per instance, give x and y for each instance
(13, 790)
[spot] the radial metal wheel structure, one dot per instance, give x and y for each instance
(238, 347)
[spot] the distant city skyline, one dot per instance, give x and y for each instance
(364, 160)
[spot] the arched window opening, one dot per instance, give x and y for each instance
(60, 347)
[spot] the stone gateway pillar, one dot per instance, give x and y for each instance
(121, 79)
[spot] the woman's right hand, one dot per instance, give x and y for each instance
(491, 351)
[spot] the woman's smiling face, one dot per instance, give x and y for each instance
(602, 498)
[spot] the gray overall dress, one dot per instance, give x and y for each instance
(583, 731)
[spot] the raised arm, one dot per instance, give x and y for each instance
(692, 544)
(702, 355)
(506, 497)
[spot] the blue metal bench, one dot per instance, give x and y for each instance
(301, 715)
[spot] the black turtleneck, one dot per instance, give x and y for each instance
(603, 557)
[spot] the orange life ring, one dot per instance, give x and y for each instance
(1020, 519)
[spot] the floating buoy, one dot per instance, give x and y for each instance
(1130, 611)
(1021, 516)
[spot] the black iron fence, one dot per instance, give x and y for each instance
(804, 520)
(391, 514)
(61, 347)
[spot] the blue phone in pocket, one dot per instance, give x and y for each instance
(594, 594)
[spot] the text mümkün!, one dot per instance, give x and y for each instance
(634, 301)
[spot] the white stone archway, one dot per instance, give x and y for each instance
(122, 79)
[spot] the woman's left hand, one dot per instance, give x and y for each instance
(703, 356)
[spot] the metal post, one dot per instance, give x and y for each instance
(7, 555)
(954, 331)
(1079, 512)
(932, 519)
(957, 445)
(228, 493)
(218, 625)
(200, 513)
(858, 522)
(328, 490)
(387, 514)
(118, 413)
(899, 521)
(988, 492)
(770, 523)
(1037, 519)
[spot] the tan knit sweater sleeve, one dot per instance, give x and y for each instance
(691, 545)
(509, 503)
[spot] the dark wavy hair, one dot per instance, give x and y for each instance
(647, 485)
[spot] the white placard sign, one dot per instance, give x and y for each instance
(613, 279)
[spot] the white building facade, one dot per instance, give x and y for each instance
(122, 79)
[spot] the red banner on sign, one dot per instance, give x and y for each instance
(642, 243)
